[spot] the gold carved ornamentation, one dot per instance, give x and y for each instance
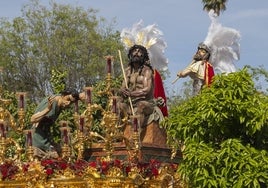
(71, 170)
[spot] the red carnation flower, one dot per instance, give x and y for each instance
(93, 164)
(155, 172)
(117, 163)
(104, 166)
(49, 171)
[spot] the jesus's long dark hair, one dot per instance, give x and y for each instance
(146, 59)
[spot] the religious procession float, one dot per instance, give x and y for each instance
(120, 156)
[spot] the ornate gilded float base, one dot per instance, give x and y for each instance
(167, 182)
(146, 153)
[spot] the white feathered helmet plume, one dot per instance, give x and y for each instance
(151, 38)
(224, 45)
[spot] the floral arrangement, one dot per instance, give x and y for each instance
(8, 170)
(49, 167)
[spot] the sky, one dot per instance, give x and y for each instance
(184, 24)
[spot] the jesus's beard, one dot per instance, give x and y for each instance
(137, 59)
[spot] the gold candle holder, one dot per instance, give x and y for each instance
(1, 80)
(66, 152)
(21, 100)
(2, 141)
(89, 109)
(81, 124)
(80, 135)
(21, 110)
(29, 144)
(136, 135)
(76, 107)
(109, 60)
(114, 104)
(88, 94)
(65, 139)
(2, 149)
(2, 129)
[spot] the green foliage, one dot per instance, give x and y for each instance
(260, 76)
(222, 128)
(69, 39)
(232, 165)
(58, 80)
